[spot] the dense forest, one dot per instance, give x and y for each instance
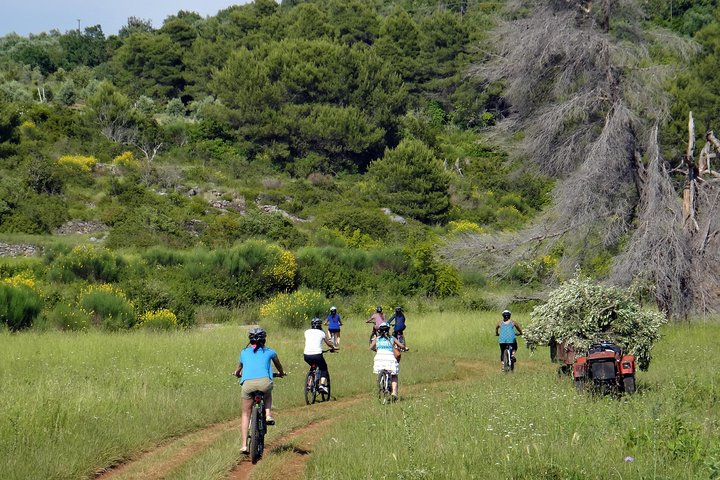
(369, 149)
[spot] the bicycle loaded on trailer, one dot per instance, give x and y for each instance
(313, 386)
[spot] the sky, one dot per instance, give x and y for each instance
(36, 16)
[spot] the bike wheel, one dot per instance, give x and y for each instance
(257, 437)
(310, 392)
(384, 387)
(507, 360)
(325, 396)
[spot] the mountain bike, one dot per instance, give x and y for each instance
(384, 381)
(312, 384)
(258, 426)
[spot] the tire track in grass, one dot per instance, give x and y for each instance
(299, 441)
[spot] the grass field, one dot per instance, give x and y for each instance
(74, 404)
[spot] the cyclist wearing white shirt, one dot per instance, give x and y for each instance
(313, 353)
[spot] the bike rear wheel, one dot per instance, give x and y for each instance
(310, 391)
(507, 360)
(384, 386)
(257, 436)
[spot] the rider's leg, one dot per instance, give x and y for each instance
(268, 405)
(394, 385)
(245, 422)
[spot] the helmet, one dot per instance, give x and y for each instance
(398, 309)
(506, 314)
(384, 328)
(378, 309)
(257, 334)
(316, 322)
(333, 309)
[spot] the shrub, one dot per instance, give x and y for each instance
(19, 306)
(78, 162)
(90, 263)
(295, 309)
(109, 307)
(69, 317)
(163, 319)
(127, 160)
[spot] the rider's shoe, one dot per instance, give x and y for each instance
(270, 421)
(393, 398)
(322, 388)
(244, 450)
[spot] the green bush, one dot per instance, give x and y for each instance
(89, 263)
(163, 256)
(372, 222)
(69, 317)
(163, 319)
(295, 309)
(230, 277)
(19, 306)
(109, 307)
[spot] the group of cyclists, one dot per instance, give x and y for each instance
(255, 371)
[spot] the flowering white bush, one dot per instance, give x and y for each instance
(580, 312)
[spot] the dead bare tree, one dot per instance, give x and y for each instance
(589, 101)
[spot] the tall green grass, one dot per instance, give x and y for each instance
(74, 403)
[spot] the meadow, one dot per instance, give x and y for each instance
(73, 404)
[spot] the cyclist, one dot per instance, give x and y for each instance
(399, 327)
(334, 323)
(255, 374)
(313, 354)
(376, 319)
(505, 329)
(384, 359)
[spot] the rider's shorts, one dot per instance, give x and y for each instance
(264, 384)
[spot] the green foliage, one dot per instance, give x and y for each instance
(19, 306)
(69, 317)
(158, 320)
(580, 312)
(295, 309)
(438, 278)
(245, 272)
(349, 219)
(109, 307)
(88, 263)
(411, 181)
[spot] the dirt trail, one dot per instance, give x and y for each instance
(161, 461)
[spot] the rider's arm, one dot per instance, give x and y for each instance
(391, 319)
(497, 329)
(278, 365)
(328, 343)
(398, 343)
(517, 325)
(238, 370)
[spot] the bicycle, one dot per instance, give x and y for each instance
(312, 384)
(384, 381)
(258, 426)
